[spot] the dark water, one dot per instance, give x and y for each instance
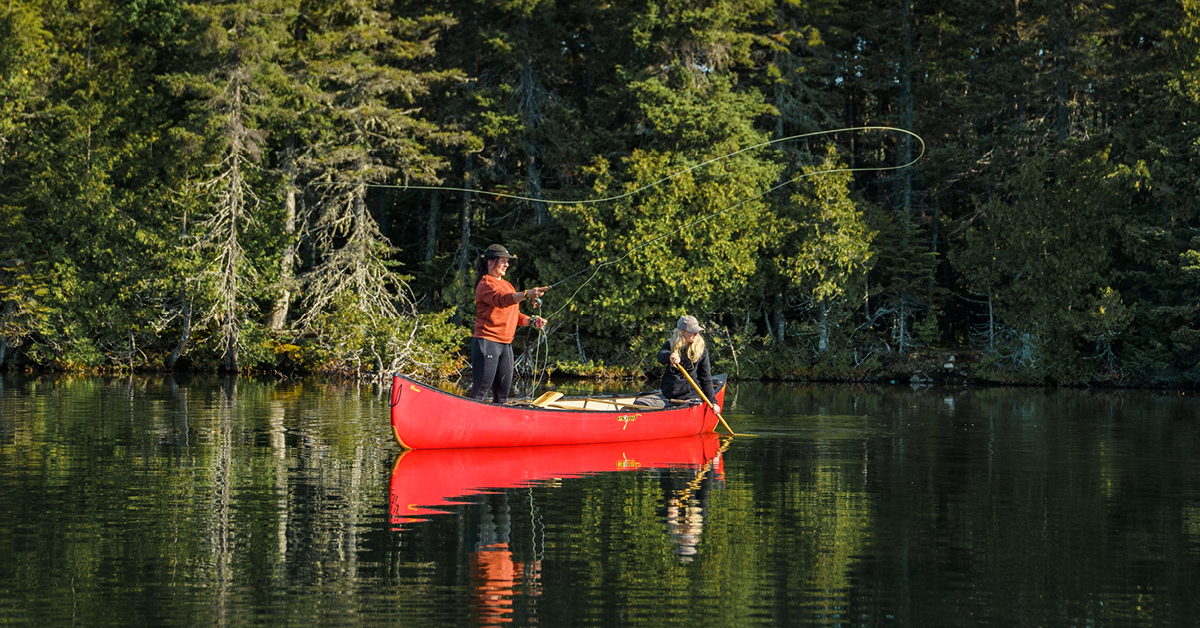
(161, 502)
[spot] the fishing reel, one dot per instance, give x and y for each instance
(535, 302)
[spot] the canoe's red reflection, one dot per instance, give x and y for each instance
(425, 481)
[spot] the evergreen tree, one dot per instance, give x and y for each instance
(693, 239)
(832, 247)
(1158, 258)
(362, 67)
(24, 75)
(242, 44)
(87, 182)
(1043, 253)
(875, 63)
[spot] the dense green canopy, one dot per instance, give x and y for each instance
(269, 184)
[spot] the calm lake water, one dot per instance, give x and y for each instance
(158, 501)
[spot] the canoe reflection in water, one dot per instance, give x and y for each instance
(428, 482)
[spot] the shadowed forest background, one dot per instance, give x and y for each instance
(232, 185)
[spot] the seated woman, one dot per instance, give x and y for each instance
(686, 348)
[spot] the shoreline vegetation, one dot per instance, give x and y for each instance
(288, 186)
(922, 367)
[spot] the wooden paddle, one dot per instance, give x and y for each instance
(705, 398)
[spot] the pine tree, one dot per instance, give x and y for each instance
(85, 177)
(832, 246)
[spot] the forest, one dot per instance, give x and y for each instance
(838, 190)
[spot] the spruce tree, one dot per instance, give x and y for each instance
(240, 45)
(362, 67)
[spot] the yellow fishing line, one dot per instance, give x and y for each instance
(518, 197)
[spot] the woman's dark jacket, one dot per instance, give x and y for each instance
(675, 385)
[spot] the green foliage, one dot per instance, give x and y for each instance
(829, 239)
(686, 246)
(357, 343)
(224, 182)
(594, 370)
(24, 69)
(1042, 251)
(926, 330)
(683, 235)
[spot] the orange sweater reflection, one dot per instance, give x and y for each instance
(496, 580)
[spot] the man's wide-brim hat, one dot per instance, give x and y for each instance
(494, 251)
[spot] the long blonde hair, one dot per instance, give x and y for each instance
(694, 350)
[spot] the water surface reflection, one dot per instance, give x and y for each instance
(235, 502)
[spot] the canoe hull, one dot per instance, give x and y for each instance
(428, 418)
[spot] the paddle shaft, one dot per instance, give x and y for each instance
(711, 406)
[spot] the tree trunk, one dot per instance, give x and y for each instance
(906, 146)
(823, 338)
(534, 181)
(231, 208)
(991, 327)
(184, 335)
(287, 266)
(10, 312)
(230, 323)
(780, 320)
(867, 297)
(1060, 104)
(530, 96)
(464, 246)
(431, 221)
(358, 238)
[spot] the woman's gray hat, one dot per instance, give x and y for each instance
(689, 323)
(497, 250)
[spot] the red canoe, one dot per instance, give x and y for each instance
(426, 482)
(428, 418)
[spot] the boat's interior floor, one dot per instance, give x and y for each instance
(649, 401)
(652, 400)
